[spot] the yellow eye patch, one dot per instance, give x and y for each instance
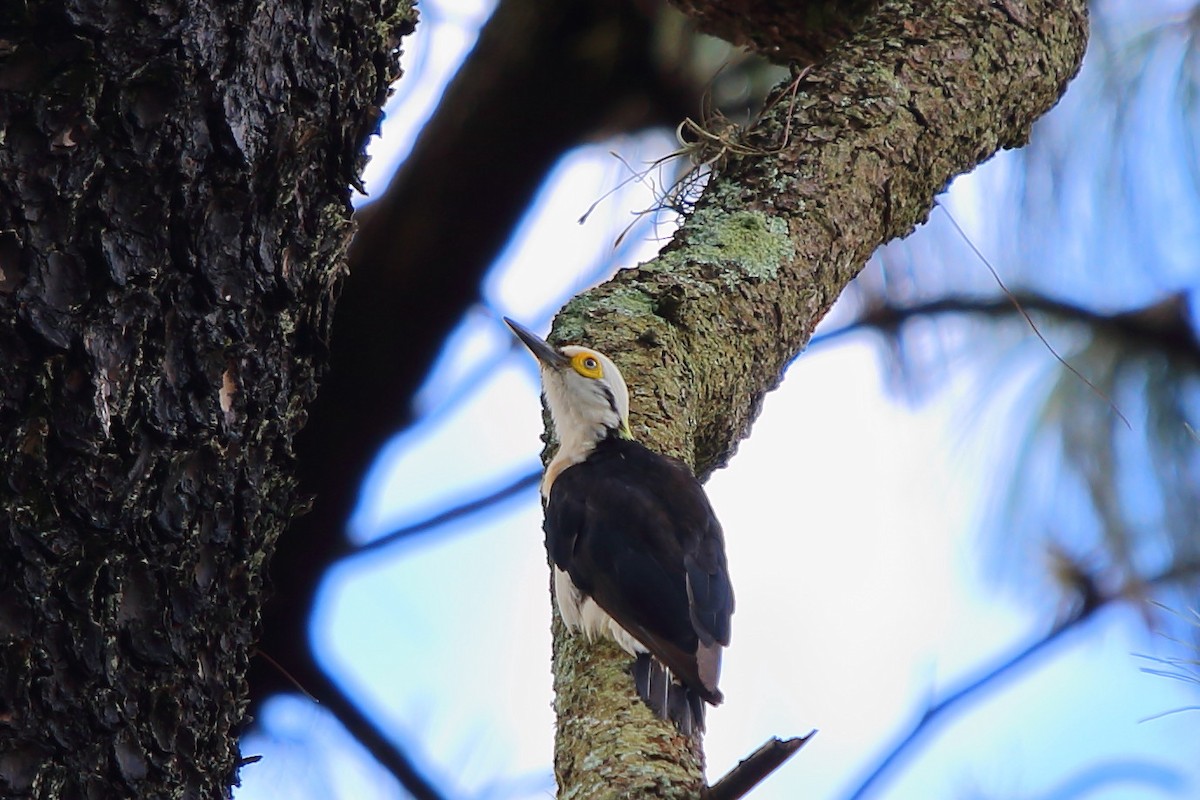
(587, 365)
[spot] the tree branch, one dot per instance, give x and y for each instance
(750, 772)
(816, 26)
(540, 80)
(367, 732)
(850, 155)
(1092, 602)
(851, 161)
(1164, 327)
(473, 506)
(315, 684)
(312, 680)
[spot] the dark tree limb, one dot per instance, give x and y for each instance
(392, 755)
(1091, 601)
(755, 768)
(541, 80)
(318, 686)
(532, 89)
(473, 506)
(814, 26)
(1165, 327)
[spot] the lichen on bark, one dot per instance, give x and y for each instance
(848, 156)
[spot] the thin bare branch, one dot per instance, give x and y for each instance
(473, 506)
(1158, 327)
(754, 769)
(1082, 613)
(389, 753)
(1029, 320)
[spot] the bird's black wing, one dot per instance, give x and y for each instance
(636, 533)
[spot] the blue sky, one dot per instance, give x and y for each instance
(864, 573)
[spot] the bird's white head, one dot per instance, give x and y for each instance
(584, 390)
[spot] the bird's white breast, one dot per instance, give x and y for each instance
(581, 613)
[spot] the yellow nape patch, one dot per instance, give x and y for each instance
(587, 365)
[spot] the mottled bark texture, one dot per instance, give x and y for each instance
(174, 214)
(848, 157)
(799, 31)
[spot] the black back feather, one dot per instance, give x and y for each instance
(635, 532)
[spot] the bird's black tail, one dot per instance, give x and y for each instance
(667, 698)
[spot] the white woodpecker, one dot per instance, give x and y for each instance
(638, 554)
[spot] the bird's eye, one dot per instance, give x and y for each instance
(587, 365)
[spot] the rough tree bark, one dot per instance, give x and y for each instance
(174, 214)
(849, 156)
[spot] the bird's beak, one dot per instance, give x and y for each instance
(543, 351)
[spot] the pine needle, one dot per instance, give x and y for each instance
(1033, 325)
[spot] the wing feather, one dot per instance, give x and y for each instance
(635, 532)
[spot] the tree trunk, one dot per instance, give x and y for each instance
(174, 212)
(848, 157)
